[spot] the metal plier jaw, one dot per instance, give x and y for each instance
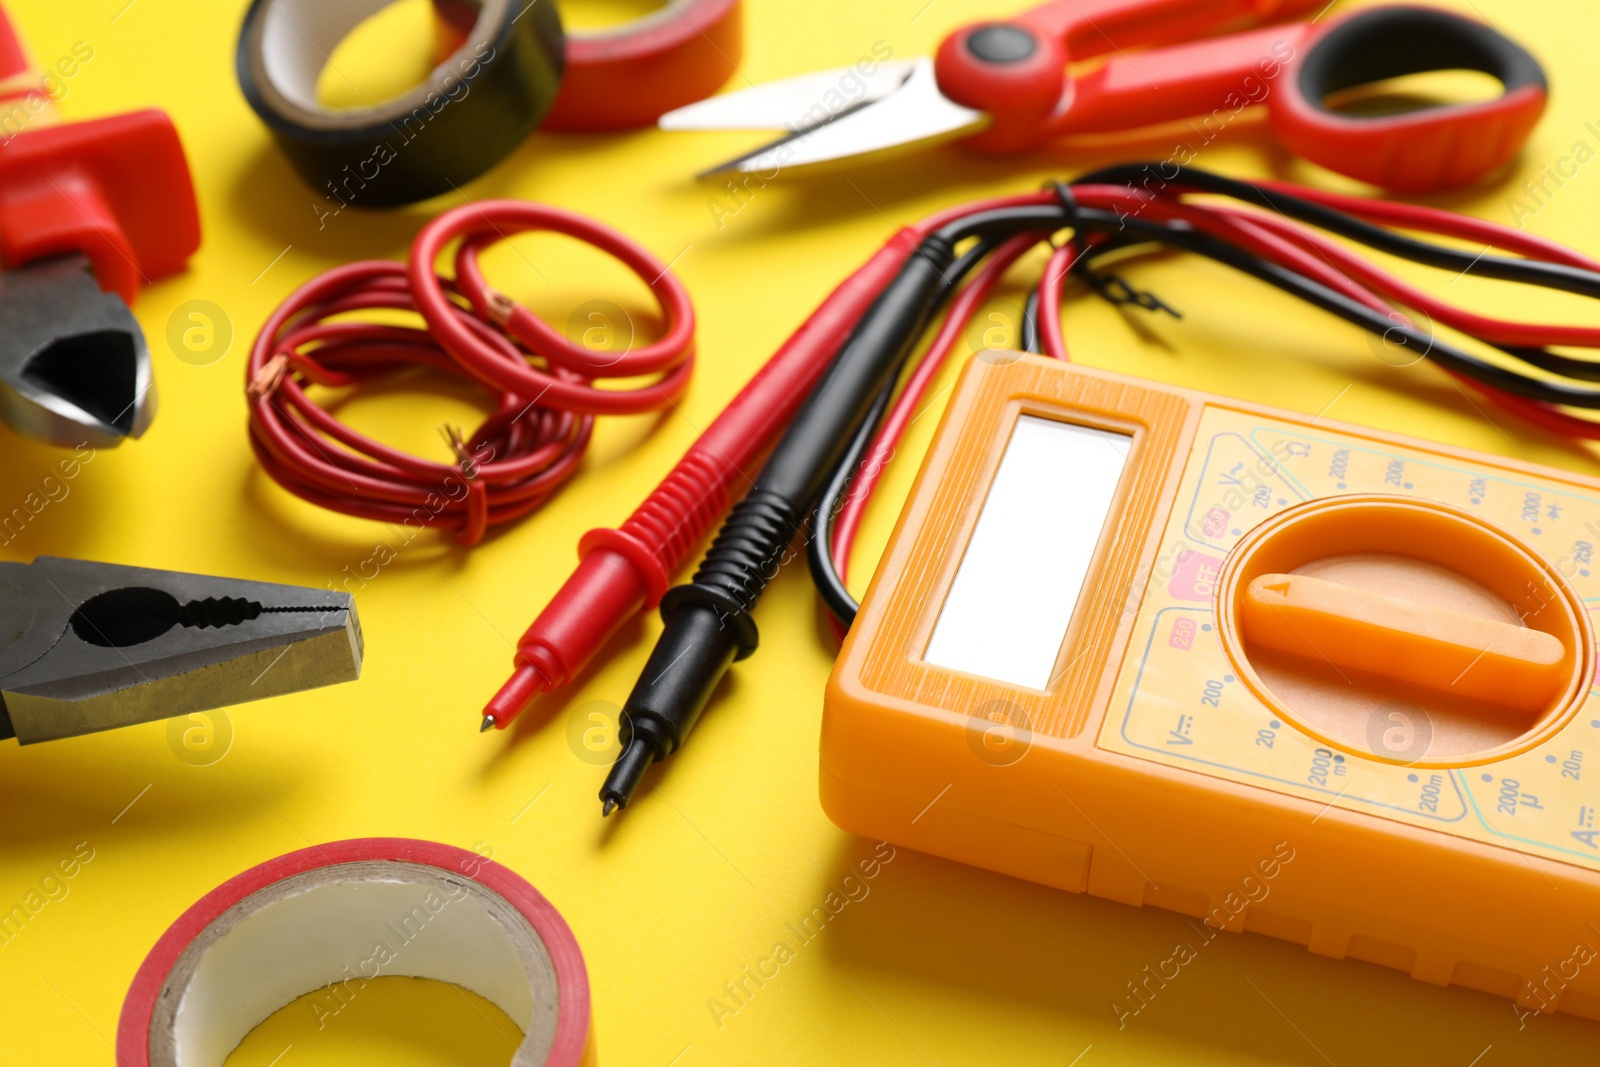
(91, 646)
(74, 365)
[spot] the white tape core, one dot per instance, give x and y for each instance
(299, 36)
(342, 926)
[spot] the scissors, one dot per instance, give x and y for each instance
(1005, 86)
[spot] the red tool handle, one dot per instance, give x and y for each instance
(1093, 27)
(116, 189)
(1166, 84)
(1413, 151)
(13, 57)
(1294, 68)
(1016, 70)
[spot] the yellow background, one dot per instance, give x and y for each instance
(940, 964)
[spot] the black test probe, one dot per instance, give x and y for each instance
(708, 623)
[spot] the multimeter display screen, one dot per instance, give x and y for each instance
(1013, 595)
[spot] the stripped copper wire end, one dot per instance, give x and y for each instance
(268, 378)
(463, 454)
(498, 305)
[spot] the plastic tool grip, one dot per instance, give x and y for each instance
(1016, 70)
(25, 100)
(1094, 27)
(1174, 83)
(13, 57)
(625, 571)
(116, 189)
(1413, 151)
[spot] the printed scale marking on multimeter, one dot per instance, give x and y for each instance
(1179, 700)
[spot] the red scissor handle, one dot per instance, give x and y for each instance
(1414, 151)
(1292, 68)
(1016, 70)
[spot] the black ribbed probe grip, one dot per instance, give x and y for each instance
(708, 623)
(748, 551)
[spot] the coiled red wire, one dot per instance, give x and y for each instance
(545, 388)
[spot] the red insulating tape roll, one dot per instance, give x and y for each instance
(340, 914)
(629, 75)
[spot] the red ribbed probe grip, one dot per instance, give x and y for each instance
(626, 571)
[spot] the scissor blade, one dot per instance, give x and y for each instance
(914, 115)
(801, 102)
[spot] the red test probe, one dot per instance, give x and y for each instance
(625, 571)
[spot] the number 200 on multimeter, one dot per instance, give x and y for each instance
(1145, 642)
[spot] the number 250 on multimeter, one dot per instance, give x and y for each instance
(1145, 642)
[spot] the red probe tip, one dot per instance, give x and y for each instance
(513, 698)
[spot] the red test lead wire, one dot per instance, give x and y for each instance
(1268, 234)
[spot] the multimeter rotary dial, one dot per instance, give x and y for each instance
(1404, 630)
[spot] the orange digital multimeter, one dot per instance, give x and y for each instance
(1312, 680)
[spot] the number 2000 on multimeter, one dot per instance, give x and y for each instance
(1141, 641)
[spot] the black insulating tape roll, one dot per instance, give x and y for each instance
(469, 114)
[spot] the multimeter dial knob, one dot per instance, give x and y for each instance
(1404, 630)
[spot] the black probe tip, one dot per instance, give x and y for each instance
(488, 724)
(631, 763)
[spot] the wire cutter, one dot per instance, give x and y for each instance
(91, 646)
(89, 212)
(1005, 86)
